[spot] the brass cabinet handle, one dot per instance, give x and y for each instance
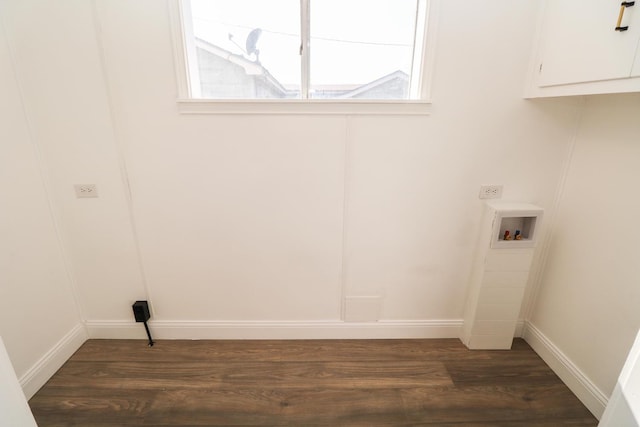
(623, 6)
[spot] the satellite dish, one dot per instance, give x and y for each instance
(252, 40)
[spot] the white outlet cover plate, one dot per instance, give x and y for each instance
(490, 191)
(84, 191)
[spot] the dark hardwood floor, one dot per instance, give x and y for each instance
(305, 383)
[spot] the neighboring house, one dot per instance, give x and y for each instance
(224, 74)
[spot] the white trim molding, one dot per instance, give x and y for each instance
(577, 381)
(53, 360)
(330, 329)
(297, 107)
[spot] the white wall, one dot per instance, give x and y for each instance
(589, 296)
(38, 314)
(241, 217)
(59, 67)
(413, 182)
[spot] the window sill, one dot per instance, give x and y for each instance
(297, 106)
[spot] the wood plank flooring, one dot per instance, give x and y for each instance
(305, 383)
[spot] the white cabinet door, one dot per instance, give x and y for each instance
(581, 44)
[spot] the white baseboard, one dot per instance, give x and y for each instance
(588, 393)
(48, 364)
(117, 329)
(164, 329)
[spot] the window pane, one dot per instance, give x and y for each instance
(362, 48)
(247, 49)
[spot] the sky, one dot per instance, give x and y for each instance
(352, 41)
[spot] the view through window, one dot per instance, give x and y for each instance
(304, 49)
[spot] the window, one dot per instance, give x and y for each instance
(303, 49)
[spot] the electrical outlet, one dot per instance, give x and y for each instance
(85, 190)
(490, 191)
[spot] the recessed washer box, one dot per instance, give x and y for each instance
(514, 217)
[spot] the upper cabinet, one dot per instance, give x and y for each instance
(586, 47)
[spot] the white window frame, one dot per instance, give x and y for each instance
(188, 82)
